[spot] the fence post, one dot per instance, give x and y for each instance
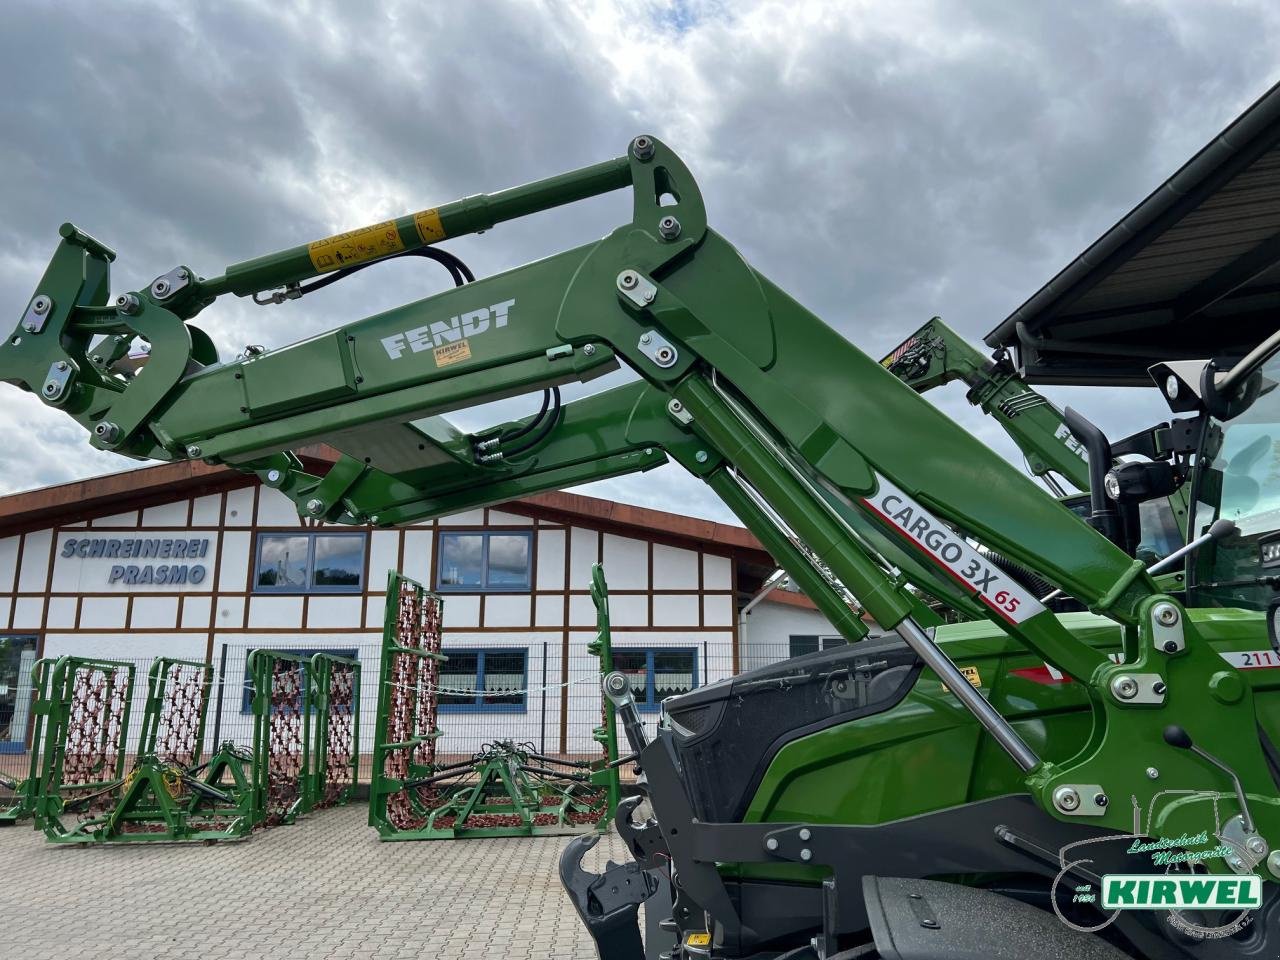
(542, 744)
(222, 684)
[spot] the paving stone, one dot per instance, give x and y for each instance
(324, 888)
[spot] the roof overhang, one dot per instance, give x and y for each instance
(1192, 272)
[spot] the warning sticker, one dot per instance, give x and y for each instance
(971, 674)
(429, 227)
(1008, 598)
(701, 939)
(357, 246)
(452, 353)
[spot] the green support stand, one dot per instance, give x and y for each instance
(607, 733)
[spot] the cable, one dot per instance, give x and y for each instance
(532, 425)
(460, 272)
(548, 425)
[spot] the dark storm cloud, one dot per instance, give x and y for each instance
(883, 162)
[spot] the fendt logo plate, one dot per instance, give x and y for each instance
(1004, 595)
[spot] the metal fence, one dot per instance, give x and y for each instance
(489, 691)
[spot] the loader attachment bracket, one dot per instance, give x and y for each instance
(607, 902)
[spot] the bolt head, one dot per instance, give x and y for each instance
(315, 506)
(51, 388)
(1256, 845)
(1273, 863)
(669, 228)
(1235, 863)
(40, 305)
(805, 833)
(1100, 799)
(1153, 773)
(160, 288)
(806, 854)
(62, 365)
(1066, 798)
(771, 843)
(1171, 646)
(1158, 688)
(1124, 687)
(701, 456)
(642, 148)
(628, 279)
(273, 476)
(646, 338)
(193, 451)
(1166, 614)
(675, 406)
(589, 349)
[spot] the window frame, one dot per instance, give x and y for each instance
(482, 586)
(309, 587)
(826, 641)
(650, 705)
(478, 706)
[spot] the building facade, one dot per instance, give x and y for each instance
(200, 562)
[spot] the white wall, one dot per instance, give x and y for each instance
(73, 588)
(766, 635)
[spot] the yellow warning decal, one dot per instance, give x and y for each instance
(356, 246)
(452, 353)
(429, 227)
(971, 674)
(702, 939)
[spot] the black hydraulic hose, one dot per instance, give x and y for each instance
(460, 272)
(543, 432)
(1101, 516)
(532, 425)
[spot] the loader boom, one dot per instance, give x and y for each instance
(811, 441)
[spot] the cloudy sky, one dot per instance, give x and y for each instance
(882, 161)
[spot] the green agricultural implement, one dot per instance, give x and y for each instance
(83, 788)
(88, 792)
(920, 795)
(505, 789)
(334, 695)
(405, 732)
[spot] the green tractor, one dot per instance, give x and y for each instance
(1093, 783)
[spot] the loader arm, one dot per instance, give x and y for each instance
(748, 390)
(936, 355)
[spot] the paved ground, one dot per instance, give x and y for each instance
(324, 888)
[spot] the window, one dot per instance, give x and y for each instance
(802, 643)
(657, 673)
(246, 698)
(17, 656)
(489, 680)
(310, 563)
(484, 562)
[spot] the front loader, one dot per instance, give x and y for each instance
(944, 791)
